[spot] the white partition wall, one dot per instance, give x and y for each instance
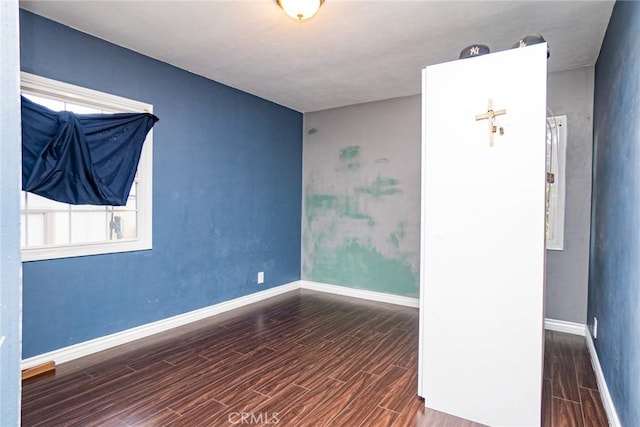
(483, 219)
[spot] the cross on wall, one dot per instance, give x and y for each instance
(490, 116)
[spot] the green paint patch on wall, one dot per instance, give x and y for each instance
(343, 242)
(350, 153)
(349, 208)
(320, 201)
(362, 266)
(343, 206)
(396, 237)
(381, 187)
(353, 166)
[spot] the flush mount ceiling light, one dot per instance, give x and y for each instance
(300, 9)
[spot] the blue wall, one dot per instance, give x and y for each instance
(227, 196)
(614, 276)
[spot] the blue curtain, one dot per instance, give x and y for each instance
(81, 158)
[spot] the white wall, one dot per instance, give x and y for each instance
(570, 93)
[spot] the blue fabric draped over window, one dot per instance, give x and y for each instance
(81, 158)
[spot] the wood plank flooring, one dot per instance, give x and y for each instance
(300, 359)
(570, 393)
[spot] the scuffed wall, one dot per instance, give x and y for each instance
(227, 195)
(361, 183)
(614, 271)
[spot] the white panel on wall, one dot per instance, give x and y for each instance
(483, 238)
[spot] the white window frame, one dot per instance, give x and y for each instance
(556, 192)
(41, 86)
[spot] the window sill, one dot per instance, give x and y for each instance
(87, 249)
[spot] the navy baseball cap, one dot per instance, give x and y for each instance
(530, 40)
(474, 50)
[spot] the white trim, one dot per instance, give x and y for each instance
(80, 95)
(583, 330)
(360, 293)
(41, 253)
(566, 327)
(423, 209)
(86, 348)
(555, 235)
(607, 402)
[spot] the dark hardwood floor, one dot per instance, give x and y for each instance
(302, 358)
(570, 395)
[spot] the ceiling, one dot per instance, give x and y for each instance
(352, 51)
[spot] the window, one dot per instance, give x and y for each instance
(51, 229)
(556, 159)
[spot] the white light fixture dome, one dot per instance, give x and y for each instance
(300, 9)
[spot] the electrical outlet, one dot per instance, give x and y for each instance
(260, 277)
(595, 327)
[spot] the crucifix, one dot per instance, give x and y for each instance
(490, 115)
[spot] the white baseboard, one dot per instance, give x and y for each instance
(360, 293)
(566, 327)
(86, 348)
(582, 330)
(607, 402)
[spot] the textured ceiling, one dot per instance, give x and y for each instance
(350, 52)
